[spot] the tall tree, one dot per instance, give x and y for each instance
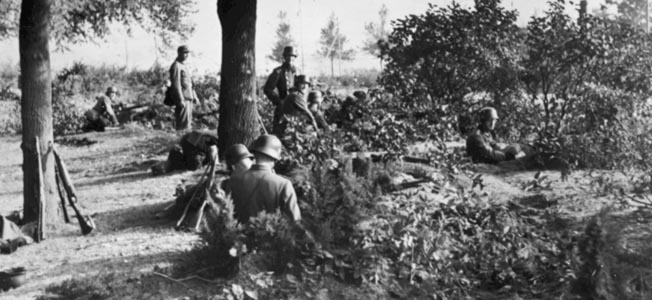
(36, 108)
(283, 38)
(238, 112)
(332, 43)
(65, 22)
(377, 34)
(632, 11)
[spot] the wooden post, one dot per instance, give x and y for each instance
(40, 235)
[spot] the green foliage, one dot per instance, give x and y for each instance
(73, 289)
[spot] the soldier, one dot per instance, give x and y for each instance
(481, 144)
(315, 98)
(102, 114)
(260, 189)
(296, 105)
(278, 84)
(238, 160)
(195, 150)
(183, 95)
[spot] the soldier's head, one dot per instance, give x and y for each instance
(238, 159)
(111, 92)
(488, 116)
(315, 97)
(288, 54)
(302, 83)
(182, 53)
(266, 148)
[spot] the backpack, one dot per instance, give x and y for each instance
(168, 100)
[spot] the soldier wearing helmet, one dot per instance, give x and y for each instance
(315, 98)
(102, 114)
(296, 105)
(259, 188)
(238, 160)
(481, 144)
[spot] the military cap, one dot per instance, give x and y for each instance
(268, 145)
(289, 51)
(299, 79)
(183, 49)
(235, 153)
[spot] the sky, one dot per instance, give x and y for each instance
(306, 18)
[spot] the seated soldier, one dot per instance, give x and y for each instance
(193, 153)
(482, 147)
(259, 188)
(101, 115)
(315, 99)
(296, 105)
(238, 160)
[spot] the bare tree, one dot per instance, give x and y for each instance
(332, 43)
(238, 112)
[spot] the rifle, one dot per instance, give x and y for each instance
(62, 195)
(85, 222)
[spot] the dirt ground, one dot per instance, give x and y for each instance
(115, 186)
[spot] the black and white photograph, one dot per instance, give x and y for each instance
(326, 149)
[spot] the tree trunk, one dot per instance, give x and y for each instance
(36, 110)
(238, 122)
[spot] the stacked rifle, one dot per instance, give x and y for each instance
(67, 192)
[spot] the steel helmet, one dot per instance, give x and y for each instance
(110, 90)
(269, 145)
(488, 113)
(235, 153)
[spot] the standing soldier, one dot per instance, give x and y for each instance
(182, 92)
(278, 83)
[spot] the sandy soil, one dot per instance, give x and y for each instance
(116, 187)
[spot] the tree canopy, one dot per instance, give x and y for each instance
(85, 20)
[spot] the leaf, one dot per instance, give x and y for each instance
(237, 291)
(252, 294)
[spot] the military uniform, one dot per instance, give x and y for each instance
(193, 152)
(101, 115)
(260, 189)
(277, 88)
(482, 148)
(180, 78)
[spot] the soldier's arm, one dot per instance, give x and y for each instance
(109, 110)
(290, 204)
(175, 79)
(270, 87)
(484, 150)
(303, 108)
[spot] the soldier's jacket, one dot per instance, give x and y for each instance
(260, 189)
(279, 82)
(482, 148)
(180, 78)
(102, 109)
